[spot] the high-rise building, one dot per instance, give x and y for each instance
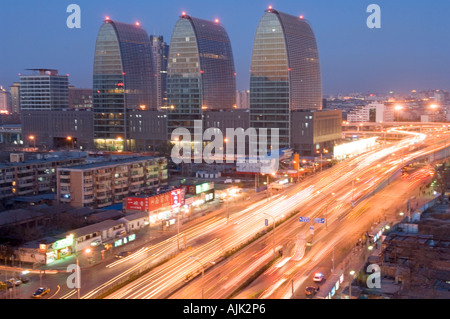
(243, 99)
(160, 57)
(80, 99)
(201, 74)
(15, 97)
(4, 101)
(44, 90)
(285, 73)
(123, 80)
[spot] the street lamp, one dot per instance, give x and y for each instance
(353, 187)
(203, 274)
(398, 108)
(434, 108)
(326, 207)
(70, 139)
(33, 138)
(273, 232)
(352, 274)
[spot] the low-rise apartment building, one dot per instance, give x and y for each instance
(102, 184)
(20, 177)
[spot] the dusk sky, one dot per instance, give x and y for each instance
(410, 51)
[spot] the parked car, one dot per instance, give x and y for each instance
(24, 279)
(318, 277)
(41, 292)
(96, 242)
(311, 291)
(123, 254)
(15, 281)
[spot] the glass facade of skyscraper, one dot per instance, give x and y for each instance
(201, 73)
(123, 80)
(285, 73)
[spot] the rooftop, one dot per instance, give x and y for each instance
(111, 162)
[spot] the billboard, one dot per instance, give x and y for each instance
(172, 199)
(134, 203)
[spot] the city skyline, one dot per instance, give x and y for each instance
(401, 56)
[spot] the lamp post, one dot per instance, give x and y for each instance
(32, 138)
(398, 109)
(434, 108)
(70, 139)
(326, 206)
(352, 274)
(353, 187)
(273, 231)
(203, 274)
(78, 277)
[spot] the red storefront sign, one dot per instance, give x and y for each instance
(135, 203)
(172, 199)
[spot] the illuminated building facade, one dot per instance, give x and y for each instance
(123, 80)
(285, 73)
(201, 74)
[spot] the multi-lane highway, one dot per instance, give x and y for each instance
(345, 183)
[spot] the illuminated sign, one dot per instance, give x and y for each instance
(203, 188)
(118, 243)
(132, 237)
(140, 204)
(63, 243)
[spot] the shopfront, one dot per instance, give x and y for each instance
(59, 249)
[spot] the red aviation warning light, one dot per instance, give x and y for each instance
(301, 17)
(138, 23)
(107, 18)
(216, 20)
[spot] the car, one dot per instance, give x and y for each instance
(15, 281)
(3, 285)
(123, 254)
(41, 292)
(24, 279)
(318, 277)
(96, 242)
(311, 291)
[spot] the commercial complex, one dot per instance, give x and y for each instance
(160, 50)
(285, 73)
(44, 90)
(123, 80)
(201, 74)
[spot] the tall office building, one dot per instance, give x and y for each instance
(44, 90)
(243, 99)
(15, 97)
(160, 57)
(201, 74)
(285, 73)
(4, 101)
(123, 80)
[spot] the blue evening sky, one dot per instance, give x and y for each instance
(410, 51)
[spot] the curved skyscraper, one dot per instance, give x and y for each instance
(285, 72)
(123, 81)
(201, 73)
